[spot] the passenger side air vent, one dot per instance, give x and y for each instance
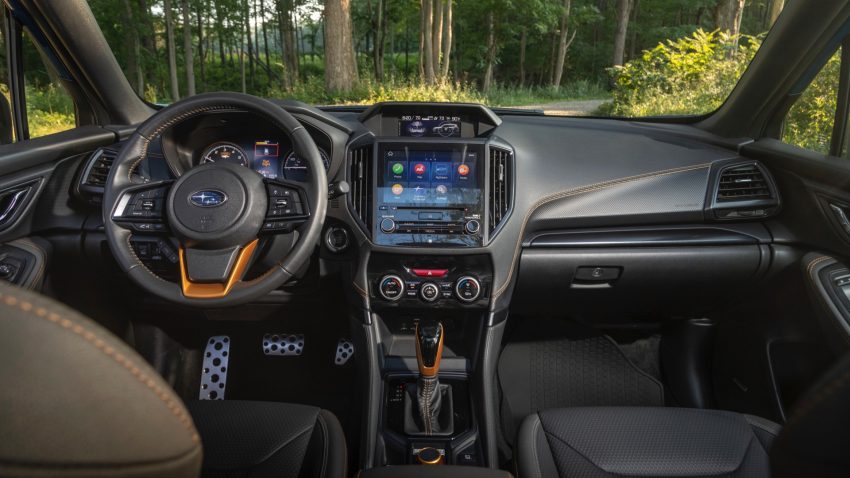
(744, 191)
(97, 169)
(500, 186)
(360, 176)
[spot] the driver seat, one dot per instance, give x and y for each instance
(77, 401)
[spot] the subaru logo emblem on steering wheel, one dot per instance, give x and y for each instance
(208, 198)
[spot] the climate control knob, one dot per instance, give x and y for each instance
(472, 227)
(387, 225)
(467, 289)
(429, 292)
(391, 287)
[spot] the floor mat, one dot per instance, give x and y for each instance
(541, 375)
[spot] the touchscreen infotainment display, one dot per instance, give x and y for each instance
(439, 126)
(430, 178)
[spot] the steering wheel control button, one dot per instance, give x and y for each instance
(429, 292)
(284, 202)
(467, 289)
(391, 287)
(387, 225)
(284, 345)
(214, 368)
(472, 227)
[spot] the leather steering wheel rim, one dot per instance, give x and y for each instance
(119, 182)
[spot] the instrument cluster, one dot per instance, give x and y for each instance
(268, 157)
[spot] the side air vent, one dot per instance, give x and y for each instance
(500, 186)
(744, 191)
(97, 169)
(742, 183)
(360, 176)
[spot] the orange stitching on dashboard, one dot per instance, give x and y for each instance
(110, 352)
(575, 192)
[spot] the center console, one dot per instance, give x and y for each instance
(431, 179)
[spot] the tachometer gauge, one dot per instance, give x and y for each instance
(227, 152)
(296, 169)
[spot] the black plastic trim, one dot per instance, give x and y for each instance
(650, 237)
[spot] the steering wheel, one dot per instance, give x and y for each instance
(217, 211)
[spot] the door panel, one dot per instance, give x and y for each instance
(36, 180)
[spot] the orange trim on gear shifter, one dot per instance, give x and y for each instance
(424, 370)
(194, 290)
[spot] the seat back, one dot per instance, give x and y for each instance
(77, 401)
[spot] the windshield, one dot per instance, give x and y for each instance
(627, 58)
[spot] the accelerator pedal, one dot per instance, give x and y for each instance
(344, 352)
(214, 369)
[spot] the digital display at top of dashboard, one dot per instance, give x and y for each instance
(434, 126)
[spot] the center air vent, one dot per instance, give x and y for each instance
(360, 176)
(742, 183)
(500, 186)
(98, 168)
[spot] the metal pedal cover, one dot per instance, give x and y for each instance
(214, 370)
(344, 351)
(287, 345)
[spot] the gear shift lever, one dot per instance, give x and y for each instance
(429, 350)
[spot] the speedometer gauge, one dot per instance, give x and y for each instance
(225, 152)
(296, 168)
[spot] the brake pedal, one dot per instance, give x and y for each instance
(286, 345)
(214, 370)
(344, 352)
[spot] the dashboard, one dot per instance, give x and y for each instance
(454, 205)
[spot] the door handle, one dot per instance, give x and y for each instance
(841, 215)
(12, 202)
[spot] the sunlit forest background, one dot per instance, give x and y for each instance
(590, 57)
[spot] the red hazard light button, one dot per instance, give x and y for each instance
(430, 272)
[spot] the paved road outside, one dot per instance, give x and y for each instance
(567, 108)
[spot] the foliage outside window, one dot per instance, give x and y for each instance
(50, 109)
(614, 57)
(810, 121)
(5, 109)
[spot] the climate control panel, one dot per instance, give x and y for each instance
(423, 281)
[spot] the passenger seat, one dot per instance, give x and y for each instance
(594, 442)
